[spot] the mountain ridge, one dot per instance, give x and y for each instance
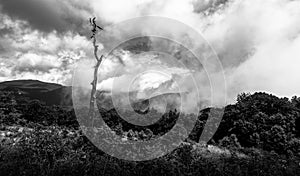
(49, 93)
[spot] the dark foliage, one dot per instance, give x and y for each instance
(263, 121)
(46, 140)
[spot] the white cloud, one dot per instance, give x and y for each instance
(37, 62)
(34, 52)
(257, 42)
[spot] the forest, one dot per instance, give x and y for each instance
(258, 135)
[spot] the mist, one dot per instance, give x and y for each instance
(256, 41)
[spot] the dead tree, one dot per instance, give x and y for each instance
(95, 30)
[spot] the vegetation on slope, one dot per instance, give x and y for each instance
(260, 132)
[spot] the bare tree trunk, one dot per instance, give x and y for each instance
(95, 29)
(94, 88)
(99, 60)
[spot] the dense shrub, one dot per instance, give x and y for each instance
(46, 140)
(261, 120)
(230, 142)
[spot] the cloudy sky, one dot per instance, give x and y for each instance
(258, 42)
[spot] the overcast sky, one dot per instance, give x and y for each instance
(258, 42)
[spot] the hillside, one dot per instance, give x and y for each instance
(258, 135)
(49, 93)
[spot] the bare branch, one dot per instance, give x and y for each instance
(95, 29)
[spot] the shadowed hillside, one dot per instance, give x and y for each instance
(50, 93)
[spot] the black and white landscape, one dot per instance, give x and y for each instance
(147, 86)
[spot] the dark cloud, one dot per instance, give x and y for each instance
(5, 31)
(48, 15)
(2, 49)
(210, 6)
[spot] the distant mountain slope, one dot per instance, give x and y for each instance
(160, 102)
(50, 93)
(28, 84)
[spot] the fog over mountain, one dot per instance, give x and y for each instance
(256, 41)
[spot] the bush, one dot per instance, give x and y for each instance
(230, 142)
(260, 120)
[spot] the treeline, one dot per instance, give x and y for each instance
(263, 121)
(20, 110)
(263, 127)
(258, 120)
